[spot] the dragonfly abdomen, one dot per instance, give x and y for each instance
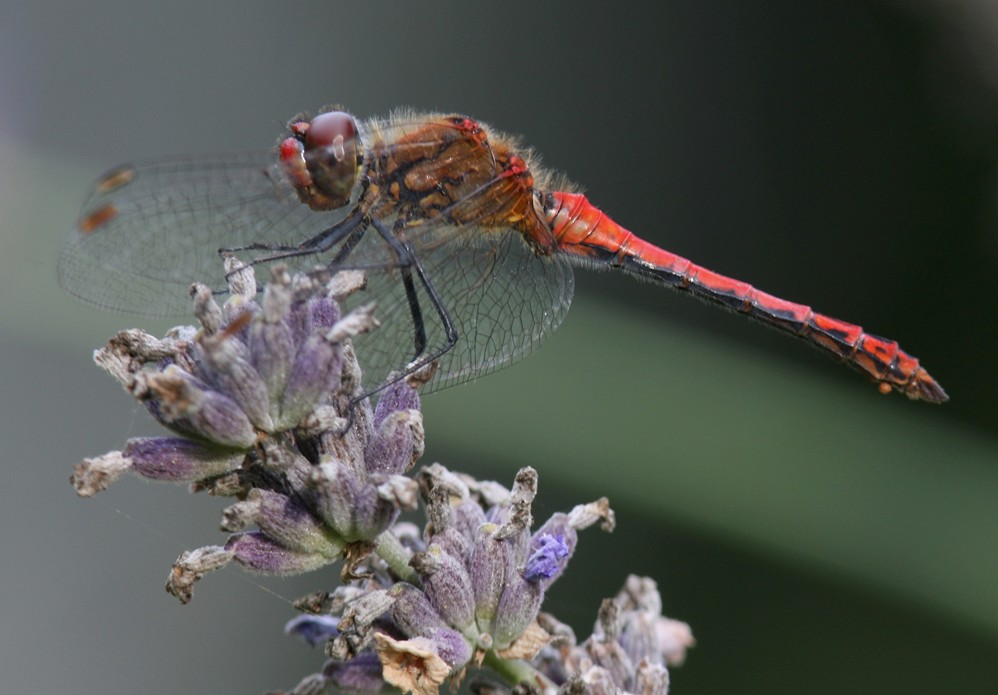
(583, 230)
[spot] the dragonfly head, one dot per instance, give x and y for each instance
(323, 158)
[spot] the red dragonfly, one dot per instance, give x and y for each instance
(468, 244)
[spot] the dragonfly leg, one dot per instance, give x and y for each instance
(351, 226)
(409, 266)
(415, 310)
(405, 266)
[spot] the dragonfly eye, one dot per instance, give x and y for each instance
(332, 156)
(322, 157)
(331, 129)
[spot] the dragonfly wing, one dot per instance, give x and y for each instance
(503, 298)
(148, 231)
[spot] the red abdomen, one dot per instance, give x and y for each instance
(585, 232)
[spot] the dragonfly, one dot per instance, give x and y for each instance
(467, 242)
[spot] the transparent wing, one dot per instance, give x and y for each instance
(503, 298)
(148, 231)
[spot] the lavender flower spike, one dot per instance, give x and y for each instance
(479, 585)
(257, 399)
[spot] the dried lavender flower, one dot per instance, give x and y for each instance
(631, 646)
(480, 578)
(262, 411)
(264, 404)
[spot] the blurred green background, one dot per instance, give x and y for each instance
(819, 538)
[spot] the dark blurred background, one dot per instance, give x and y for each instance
(819, 538)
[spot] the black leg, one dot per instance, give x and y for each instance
(406, 262)
(409, 262)
(352, 226)
(414, 310)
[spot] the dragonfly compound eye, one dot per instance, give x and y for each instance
(332, 156)
(323, 158)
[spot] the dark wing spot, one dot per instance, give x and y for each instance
(97, 218)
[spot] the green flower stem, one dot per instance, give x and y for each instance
(515, 671)
(389, 549)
